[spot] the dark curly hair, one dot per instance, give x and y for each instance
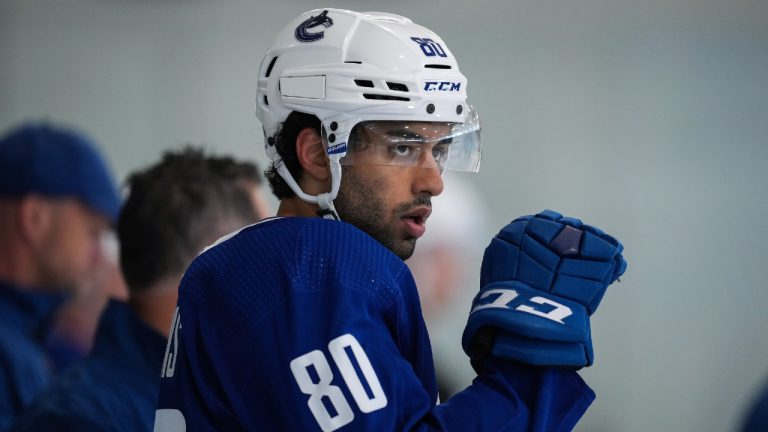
(285, 143)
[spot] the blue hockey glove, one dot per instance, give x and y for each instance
(541, 278)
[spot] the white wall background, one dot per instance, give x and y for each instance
(646, 118)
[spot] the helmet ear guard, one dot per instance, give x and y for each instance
(335, 132)
(346, 68)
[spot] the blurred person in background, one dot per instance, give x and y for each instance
(57, 199)
(173, 210)
(247, 176)
(444, 267)
(75, 321)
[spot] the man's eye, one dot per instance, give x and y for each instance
(440, 152)
(401, 150)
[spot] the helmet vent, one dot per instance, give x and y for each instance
(397, 86)
(269, 68)
(353, 62)
(364, 83)
(437, 66)
(385, 97)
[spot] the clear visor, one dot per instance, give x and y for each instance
(440, 145)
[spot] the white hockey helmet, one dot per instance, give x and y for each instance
(347, 68)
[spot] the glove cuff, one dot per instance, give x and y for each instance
(543, 353)
(542, 323)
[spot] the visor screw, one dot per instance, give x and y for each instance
(334, 126)
(430, 108)
(271, 141)
(459, 109)
(331, 138)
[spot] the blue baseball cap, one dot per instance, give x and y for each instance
(56, 162)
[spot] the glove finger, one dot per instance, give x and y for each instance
(536, 265)
(597, 248)
(549, 214)
(543, 230)
(513, 232)
(595, 270)
(576, 223)
(499, 262)
(584, 291)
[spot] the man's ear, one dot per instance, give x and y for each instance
(311, 155)
(35, 216)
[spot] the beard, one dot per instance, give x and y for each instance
(361, 203)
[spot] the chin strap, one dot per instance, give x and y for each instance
(328, 212)
(325, 201)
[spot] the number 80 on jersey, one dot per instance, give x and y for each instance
(322, 389)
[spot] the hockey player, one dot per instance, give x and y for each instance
(311, 320)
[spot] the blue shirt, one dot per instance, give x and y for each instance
(113, 389)
(306, 324)
(24, 364)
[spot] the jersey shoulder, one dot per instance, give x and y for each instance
(255, 268)
(314, 245)
(351, 251)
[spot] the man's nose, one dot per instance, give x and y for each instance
(428, 178)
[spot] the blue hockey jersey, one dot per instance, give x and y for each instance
(25, 367)
(304, 324)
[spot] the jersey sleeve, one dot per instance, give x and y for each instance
(317, 342)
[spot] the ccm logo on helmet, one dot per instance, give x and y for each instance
(443, 86)
(321, 20)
